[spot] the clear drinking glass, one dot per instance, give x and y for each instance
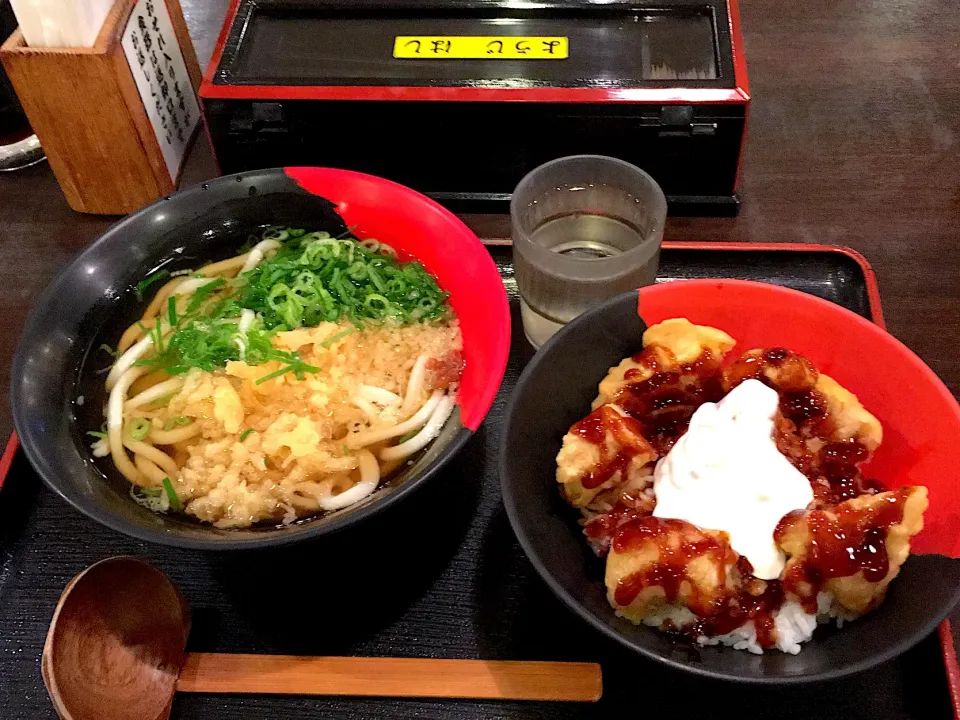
(585, 228)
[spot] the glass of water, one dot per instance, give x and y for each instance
(585, 228)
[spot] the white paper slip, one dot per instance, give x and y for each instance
(60, 23)
(156, 62)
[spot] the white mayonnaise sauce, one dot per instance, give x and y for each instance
(726, 474)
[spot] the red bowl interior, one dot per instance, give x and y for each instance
(418, 227)
(920, 417)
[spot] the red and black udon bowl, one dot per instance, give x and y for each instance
(93, 300)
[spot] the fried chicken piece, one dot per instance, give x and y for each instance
(631, 503)
(816, 403)
(851, 421)
(781, 369)
(688, 341)
(602, 452)
(853, 550)
(635, 492)
(656, 562)
(668, 346)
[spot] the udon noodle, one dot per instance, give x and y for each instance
(281, 383)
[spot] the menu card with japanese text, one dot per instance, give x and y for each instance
(156, 61)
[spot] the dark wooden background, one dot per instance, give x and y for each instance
(853, 140)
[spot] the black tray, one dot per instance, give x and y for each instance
(441, 576)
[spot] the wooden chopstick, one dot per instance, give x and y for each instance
(390, 677)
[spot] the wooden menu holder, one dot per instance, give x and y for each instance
(84, 106)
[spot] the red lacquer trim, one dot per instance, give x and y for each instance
(221, 42)
(418, 227)
(210, 91)
(13, 445)
(736, 45)
(740, 79)
(738, 95)
(870, 277)
(950, 662)
(873, 287)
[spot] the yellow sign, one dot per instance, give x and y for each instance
(494, 47)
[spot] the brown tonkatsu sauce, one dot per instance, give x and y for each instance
(628, 438)
(845, 540)
(664, 402)
(757, 600)
(781, 369)
(659, 403)
(832, 470)
(601, 529)
(678, 543)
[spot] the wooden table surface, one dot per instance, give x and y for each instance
(854, 140)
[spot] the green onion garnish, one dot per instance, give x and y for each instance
(155, 333)
(148, 281)
(339, 336)
(245, 434)
(158, 336)
(177, 421)
(109, 350)
(97, 434)
(326, 279)
(171, 495)
(297, 367)
(409, 436)
(312, 278)
(203, 292)
(139, 428)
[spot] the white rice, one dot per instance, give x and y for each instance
(828, 609)
(743, 638)
(670, 616)
(793, 626)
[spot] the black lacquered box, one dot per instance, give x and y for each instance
(459, 99)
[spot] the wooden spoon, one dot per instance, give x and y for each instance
(115, 650)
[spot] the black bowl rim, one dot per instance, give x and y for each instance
(894, 649)
(34, 449)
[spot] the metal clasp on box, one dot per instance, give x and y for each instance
(677, 121)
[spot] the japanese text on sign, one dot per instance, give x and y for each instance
(160, 73)
(461, 47)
